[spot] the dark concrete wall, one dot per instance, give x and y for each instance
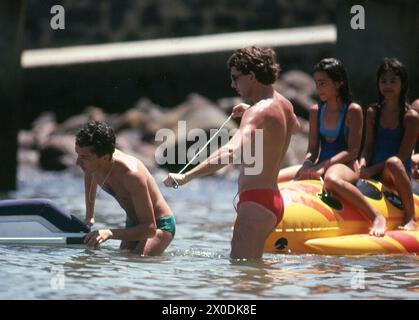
(117, 85)
(11, 18)
(100, 21)
(392, 30)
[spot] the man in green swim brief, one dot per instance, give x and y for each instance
(150, 225)
(167, 223)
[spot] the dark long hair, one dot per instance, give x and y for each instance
(395, 66)
(336, 71)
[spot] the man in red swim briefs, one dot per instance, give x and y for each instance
(267, 126)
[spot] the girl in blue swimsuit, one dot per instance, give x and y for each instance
(391, 132)
(336, 125)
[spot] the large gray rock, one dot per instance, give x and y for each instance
(198, 113)
(26, 139)
(129, 141)
(145, 116)
(227, 104)
(73, 124)
(42, 127)
(296, 151)
(28, 157)
(300, 89)
(58, 153)
(153, 111)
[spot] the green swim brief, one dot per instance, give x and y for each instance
(167, 223)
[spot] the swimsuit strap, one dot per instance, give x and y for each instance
(377, 124)
(333, 133)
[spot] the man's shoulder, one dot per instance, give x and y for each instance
(132, 170)
(130, 163)
(273, 110)
(278, 101)
(134, 181)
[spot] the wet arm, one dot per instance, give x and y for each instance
(411, 125)
(313, 141)
(220, 158)
(90, 187)
(297, 126)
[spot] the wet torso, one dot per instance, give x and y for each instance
(276, 118)
(124, 165)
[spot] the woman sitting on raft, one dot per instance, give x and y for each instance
(391, 132)
(336, 129)
(335, 124)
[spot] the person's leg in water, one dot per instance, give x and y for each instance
(258, 213)
(395, 176)
(166, 228)
(155, 245)
(128, 245)
(341, 180)
(253, 225)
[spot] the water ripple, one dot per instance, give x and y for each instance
(195, 266)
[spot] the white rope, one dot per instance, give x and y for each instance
(203, 148)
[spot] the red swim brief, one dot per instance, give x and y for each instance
(270, 199)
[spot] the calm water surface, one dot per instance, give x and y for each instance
(195, 266)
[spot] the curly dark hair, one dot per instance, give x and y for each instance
(336, 71)
(99, 136)
(260, 61)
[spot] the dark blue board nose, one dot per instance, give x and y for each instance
(45, 208)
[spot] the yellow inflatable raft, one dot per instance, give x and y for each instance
(315, 223)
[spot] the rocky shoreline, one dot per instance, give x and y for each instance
(50, 145)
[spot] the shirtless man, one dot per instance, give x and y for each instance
(253, 70)
(415, 157)
(150, 224)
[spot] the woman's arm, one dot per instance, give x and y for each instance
(411, 128)
(365, 171)
(369, 137)
(313, 137)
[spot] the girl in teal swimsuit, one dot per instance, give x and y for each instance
(391, 132)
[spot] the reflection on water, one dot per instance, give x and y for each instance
(195, 266)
